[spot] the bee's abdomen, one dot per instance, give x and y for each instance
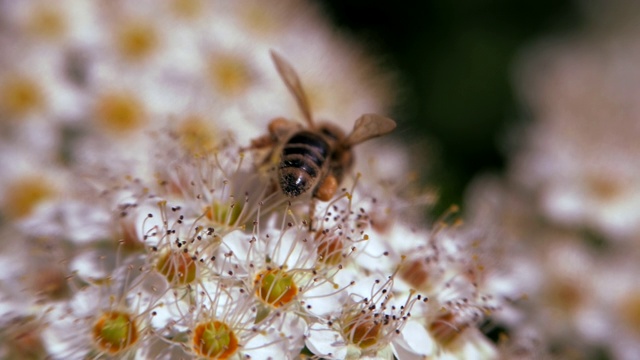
(303, 157)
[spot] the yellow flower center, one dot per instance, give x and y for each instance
(136, 40)
(178, 267)
(275, 287)
(415, 273)
(224, 214)
(214, 340)
(22, 339)
(187, 9)
(629, 311)
(197, 136)
(47, 22)
(363, 331)
(329, 249)
(120, 112)
(24, 195)
(446, 330)
(230, 75)
(258, 20)
(19, 96)
(114, 332)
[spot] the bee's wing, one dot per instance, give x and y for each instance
(290, 78)
(369, 126)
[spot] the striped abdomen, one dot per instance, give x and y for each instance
(302, 162)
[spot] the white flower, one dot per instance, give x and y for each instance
(577, 153)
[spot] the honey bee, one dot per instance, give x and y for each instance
(316, 157)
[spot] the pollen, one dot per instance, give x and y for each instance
(275, 287)
(136, 40)
(214, 340)
(25, 194)
(115, 331)
(178, 267)
(230, 75)
(197, 136)
(120, 112)
(20, 96)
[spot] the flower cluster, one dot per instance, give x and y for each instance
(567, 211)
(139, 222)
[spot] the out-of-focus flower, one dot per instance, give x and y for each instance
(583, 94)
(566, 213)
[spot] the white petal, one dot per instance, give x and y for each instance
(415, 338)
(322, 341)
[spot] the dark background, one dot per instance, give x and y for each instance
(455, 61)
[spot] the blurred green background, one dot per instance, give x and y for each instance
(455, 62)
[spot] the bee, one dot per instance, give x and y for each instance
(316, 157)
